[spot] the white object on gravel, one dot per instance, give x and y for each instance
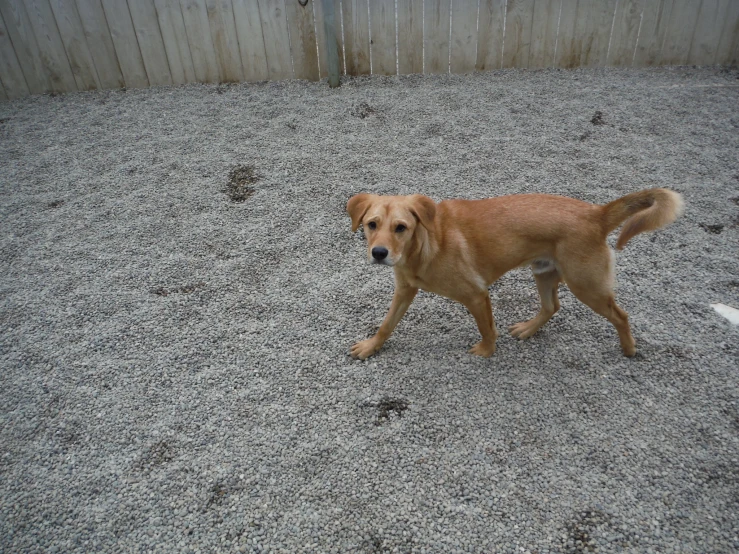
(732, 314)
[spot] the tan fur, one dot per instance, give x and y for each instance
(458, 248)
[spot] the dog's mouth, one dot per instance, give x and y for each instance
(386, 261)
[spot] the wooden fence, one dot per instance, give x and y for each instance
(70, 45)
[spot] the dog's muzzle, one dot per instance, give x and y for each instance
(380, 256)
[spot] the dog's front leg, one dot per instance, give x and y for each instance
(481, 308)
(402, 298)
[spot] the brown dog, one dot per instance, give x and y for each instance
(458, 248)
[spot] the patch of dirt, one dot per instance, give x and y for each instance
(388, 405)
(158, 454)
(585, 135)
(216, 495)
(187, 289)
(714, 229)
(580, 530)
(240, 179)
(598, 119)
(363, 110)
(56, 204)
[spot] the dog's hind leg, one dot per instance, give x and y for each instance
(547, 283)
(591, 281)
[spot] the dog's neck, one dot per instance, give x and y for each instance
(424, 250)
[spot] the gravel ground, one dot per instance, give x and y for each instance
(174, 364)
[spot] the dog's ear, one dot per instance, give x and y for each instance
(424, 209)
(357, 207)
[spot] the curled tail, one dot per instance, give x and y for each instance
(642, 211)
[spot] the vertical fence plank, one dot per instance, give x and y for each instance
(204, 62)
(153, 54)
(11, 74)
(568, 48)
(594, 24)
(225, 40)
(24, 42)
(436, 36)
(727, 52)
(100, 43)
(382, 36)
(321, 9)
(251, 40)
(707, 33)
(490, 34)
(410, 36)
(356, 36)
(680, 29)
(302, 39)
(464, 36)
(544, 33)
(73, 37)
(625, 32)
(51, 47)
(655, 17)
(174, 37)
(126, 44)
(517, 40)
(276, 41)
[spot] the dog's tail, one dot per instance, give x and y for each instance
(642, 211)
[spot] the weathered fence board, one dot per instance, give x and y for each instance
(251, 40)
(151, 44)
(276, 38)
(490, 33)
(197, 27)
(302, 39)
(101, 44)
(125, 42)
(544, 33)
(516, 44)
(50, 44)
(356, 36)
(727, 51)
(463, 36)
(707, 33)
(225, 42)
(410, 36)
(680, 29)
(73, 37)
(70, 45)
(319, 10)
(11, 75)
(24, 43)
(436, 36)
(626, 23)
(382, 36)
(174, 37)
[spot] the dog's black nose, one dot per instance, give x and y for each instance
(379, 253)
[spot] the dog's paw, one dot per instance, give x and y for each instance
(364, 349)
(483, 349)
(524, 329)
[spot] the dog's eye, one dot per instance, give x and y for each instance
(372, 225)
(400, 228)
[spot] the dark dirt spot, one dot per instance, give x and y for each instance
(56, 203)
(732, 284)
(4, 120)
(597, 119)
(187, 289)
(291, 125)
(585, 135)
(216, 495)
(159, 453)
(239, 179)
(363, 110)
(735, 200)
(386, 405)
(580, 530)
(715, 229)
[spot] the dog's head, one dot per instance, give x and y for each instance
(395, 226)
